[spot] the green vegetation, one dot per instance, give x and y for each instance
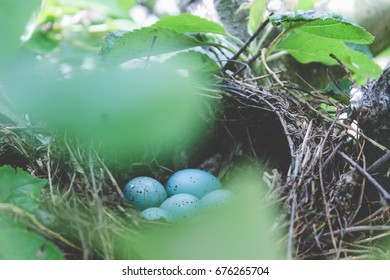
(90, 100)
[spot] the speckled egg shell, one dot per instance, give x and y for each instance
(216, 199)
(144, 192)
(181, 206)
(155, 213)
(192, 181)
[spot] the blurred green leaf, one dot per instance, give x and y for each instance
(18, 243)
(126, 4)
(306, 47)
(361, 48)
(120, 110)
(329, 25)
(193, 61)
(13, 21)
(40, 42)
(305, 4)
(122, 46)
(189, 23)
(20, 188)
(111, 7)
(256, 13)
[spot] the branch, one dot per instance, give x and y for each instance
(382, 190)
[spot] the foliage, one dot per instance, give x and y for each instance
(19, 191)
(308, 36)
(312, 36)
(102, 81)
(256, 14)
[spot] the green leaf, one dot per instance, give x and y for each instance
(329, 25)
(306, 47)
(193, 61)
(40, 42)
(256, 13)
(126, 4)
(18, 243)
(13, 21)
(190, 23)
(122, 46)
(305, 4)
(334, 92)
(122, 110)
(111, 7)
(20, 188)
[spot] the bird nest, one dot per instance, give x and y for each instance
(334, 208)
(314, 163)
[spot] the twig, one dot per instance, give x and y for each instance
(325, 117)
(359, 228)
(48, 164)
(246, 44)
(260, 77)
(154, 39)
(269, 70)
(342, 65)
(291, 228)
(384, 193)
(371, 218)
(382, 160)
(113, 181)
(326, 203)
(98, 203)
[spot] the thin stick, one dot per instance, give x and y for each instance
(304, 102)
(113, 181)
(291, 228)
(98, 203)
(342, 65)
(150, 51)
(384, 193)
(326, 203)
(246, 44)
(269, 70)
(359, 228)
(382, 160)
(49, 175)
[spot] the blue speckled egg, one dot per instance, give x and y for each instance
(181, 206)
(216, 199)
(156, 213)
(144, 192)
(192, 181)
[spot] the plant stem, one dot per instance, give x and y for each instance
(276, 55)
(276, 41)
(247, 43)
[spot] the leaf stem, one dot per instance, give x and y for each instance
(276, 41)
(276, 55)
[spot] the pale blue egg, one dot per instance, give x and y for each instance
(216, 199)
(144, 192)
(155, 213)
(181, 206)
(192, 181)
